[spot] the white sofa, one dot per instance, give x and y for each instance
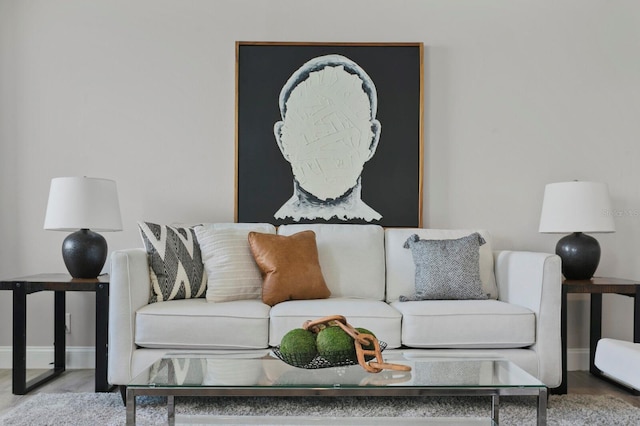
(367, 269)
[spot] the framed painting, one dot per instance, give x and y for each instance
(329, 133)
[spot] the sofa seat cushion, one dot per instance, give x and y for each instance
(373, 315)
(196, 324)
(466, 324)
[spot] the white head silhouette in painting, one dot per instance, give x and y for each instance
(328, 131)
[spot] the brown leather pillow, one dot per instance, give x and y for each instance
(289, 266)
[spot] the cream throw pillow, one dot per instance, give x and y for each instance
(232, 272)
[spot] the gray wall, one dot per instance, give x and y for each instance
(517, 95)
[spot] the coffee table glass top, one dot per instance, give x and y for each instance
(250, 371)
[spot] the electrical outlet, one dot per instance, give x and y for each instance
(67, 323)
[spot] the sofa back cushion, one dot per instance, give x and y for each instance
(351, 257)
(401, 268)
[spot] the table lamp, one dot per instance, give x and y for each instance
(575, 208)
(83, 205)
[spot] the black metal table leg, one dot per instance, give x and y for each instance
(19, 377)
(636, 316)
(102, 331)
(596, 330)
(19, 339)
(562, 389)
(60, 338)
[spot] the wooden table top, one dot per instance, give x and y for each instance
(55, 281)
(601, 285)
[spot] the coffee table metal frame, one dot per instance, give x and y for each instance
(495, 392)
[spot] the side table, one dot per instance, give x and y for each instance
(596, 287)
(59, 284)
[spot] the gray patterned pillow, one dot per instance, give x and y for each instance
(446, 269)
(175, 262)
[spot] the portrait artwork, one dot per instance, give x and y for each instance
(326, 133)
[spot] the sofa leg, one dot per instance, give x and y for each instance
(123, 394)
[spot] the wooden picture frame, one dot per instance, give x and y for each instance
(329, 133)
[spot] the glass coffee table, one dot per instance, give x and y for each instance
(246, 376)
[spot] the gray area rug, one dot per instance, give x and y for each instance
(106, 409)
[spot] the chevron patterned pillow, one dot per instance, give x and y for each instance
(175, 262)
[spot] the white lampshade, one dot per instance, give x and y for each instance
(83, 203)
(576, 207)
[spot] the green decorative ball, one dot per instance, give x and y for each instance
(335, 345)
(299, 345)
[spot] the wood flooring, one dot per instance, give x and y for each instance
(580, 382)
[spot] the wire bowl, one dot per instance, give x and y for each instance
(335, 359)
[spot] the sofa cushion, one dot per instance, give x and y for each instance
(351, 257)
(289, 266)
(246, 372)
(446, 269)
(188, 371)
(232, 272)
(619, 360)
(374, 315)
(196, 324)
(466, 324)
(175, 262)
(401, 268)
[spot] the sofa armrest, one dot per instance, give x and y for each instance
(129, 290)
(534, 280)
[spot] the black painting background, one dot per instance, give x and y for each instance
(390, 180)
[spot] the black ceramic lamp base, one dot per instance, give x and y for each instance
(84, 253)
(580, 254)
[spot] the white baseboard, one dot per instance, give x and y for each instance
(578, 359)
(42, 357)
(85, 356)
